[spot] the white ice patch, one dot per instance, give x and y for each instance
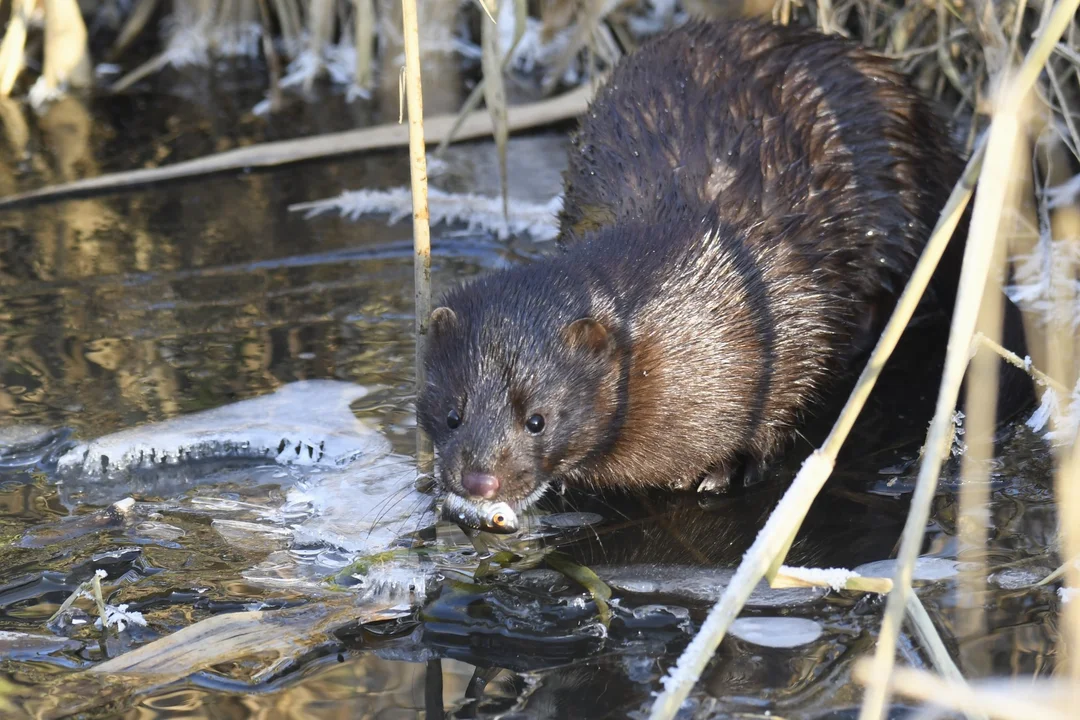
(347, 498)
(306, 423)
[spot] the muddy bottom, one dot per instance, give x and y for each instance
(206, 411)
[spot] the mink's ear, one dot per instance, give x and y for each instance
(442, 321)
(589, 335)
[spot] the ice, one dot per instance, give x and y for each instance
(776, 632)
(306, 423)
(250, 536)
(26, 445)
(346, 495)
(927, 569)
(20, 646)
(699, 584)
(362, 509)
(1018, 578)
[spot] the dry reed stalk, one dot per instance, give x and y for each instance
(980, 423)
(800, 577)
(421, 229)
(774, 540)
(1015, 360)
(16, 130)
(490, 8)
(365, 42)
(288, 16)
(1067, 493)
(826, 17)
(926, 632)
(495, 95)
(590, 14)
(1061, 360)
(997, 704)
(520, 15)
(67, 57)
(1060, 357)
(321, 32)
(994, 182)
(134, 25)
(273, 62)
(11, 48)
(929, 638)
(276, 154)
(148, 68)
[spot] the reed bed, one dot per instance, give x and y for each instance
(1008, 72)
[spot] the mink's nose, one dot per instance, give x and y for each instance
(480, 485)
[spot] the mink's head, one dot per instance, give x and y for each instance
(521, 385)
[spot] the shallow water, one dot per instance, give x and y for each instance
(154, 304)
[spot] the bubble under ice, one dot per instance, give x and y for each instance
(776, 632)
(699, 584)
(306, 423)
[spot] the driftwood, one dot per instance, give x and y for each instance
(277, 637)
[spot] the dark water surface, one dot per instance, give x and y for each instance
(139, 307)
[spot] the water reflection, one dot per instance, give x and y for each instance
(360, 686)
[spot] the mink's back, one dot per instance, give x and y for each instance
(812, 146)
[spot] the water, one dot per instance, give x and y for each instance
(158, 303)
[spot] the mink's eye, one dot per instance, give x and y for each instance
(535, 424)
(453, 419)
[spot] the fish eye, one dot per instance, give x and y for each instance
(453, 419)
(535, 424)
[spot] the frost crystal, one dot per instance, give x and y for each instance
(478, 212)
(835, 578)
(1065, 420)
(1045, 279)
(120, 617)
(958, 444)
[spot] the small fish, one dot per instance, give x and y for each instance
(492, 517)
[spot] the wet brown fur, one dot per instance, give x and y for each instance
(743, 204)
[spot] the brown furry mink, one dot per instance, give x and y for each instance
(744, 204)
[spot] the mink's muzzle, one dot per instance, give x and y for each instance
(483, 485)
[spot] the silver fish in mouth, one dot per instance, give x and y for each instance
(493, 517)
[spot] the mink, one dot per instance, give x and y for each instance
(743, 205)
